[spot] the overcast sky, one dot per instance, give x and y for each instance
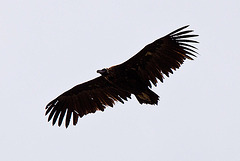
(49, 46)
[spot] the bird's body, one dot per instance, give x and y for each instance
(129, 80)
(117, 83)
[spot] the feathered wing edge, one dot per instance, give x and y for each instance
(82, 99)
(163, 55)
(182, 38)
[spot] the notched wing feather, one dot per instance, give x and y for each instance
(82, 99)
(163, 55)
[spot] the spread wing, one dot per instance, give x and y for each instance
(84, 98)
(162, 56)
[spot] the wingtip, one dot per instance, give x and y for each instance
(179, 29)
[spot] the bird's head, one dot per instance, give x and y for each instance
(103, 72)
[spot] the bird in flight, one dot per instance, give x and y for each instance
(119, 82)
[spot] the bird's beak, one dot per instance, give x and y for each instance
(100, 71)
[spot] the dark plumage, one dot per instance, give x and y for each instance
(117, 83)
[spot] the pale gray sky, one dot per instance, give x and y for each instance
(49, 46)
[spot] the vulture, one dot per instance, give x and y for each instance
(134, 76)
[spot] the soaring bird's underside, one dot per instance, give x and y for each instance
(117, 83)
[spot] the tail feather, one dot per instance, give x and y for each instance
(147, 97)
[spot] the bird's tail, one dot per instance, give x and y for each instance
(148, 97)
